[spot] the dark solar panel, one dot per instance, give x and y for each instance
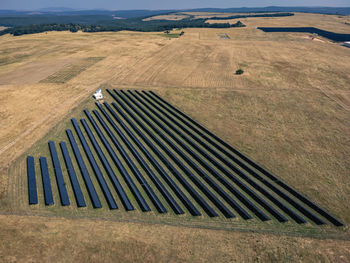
(46, 182)
(32, 191)
(72, 175)
(59, 176)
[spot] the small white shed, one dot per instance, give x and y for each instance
(98, 94)
(347, 44)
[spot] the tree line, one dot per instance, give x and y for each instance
(131, 24)
(256, 15)
(127, 24)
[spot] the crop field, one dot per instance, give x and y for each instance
(33, 72)
(70, 71)
(289, 112)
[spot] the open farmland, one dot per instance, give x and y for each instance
(289, 111)
(72, 70)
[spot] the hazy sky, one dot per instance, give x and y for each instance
(161, 4)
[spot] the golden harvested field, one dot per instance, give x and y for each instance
(289, 111)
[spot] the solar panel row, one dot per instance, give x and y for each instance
(32, 192)
(72, 175)
(46, 181)
(59, 176)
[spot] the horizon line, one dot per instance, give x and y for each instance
(170, 9)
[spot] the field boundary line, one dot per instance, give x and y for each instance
(334, 98)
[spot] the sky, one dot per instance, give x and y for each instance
(161, 4)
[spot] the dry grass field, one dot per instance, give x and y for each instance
(289, 111)
(67, 240)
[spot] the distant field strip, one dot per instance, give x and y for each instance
(71, 71)
(312, 30)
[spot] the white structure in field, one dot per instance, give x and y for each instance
(347, 44)
(98, 95)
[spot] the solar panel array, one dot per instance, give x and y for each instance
(150, 148)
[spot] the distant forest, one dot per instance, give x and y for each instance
(91, 23)
(338, 37)
(142, 27)
(257, 15)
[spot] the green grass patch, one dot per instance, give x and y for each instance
(172, 35)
